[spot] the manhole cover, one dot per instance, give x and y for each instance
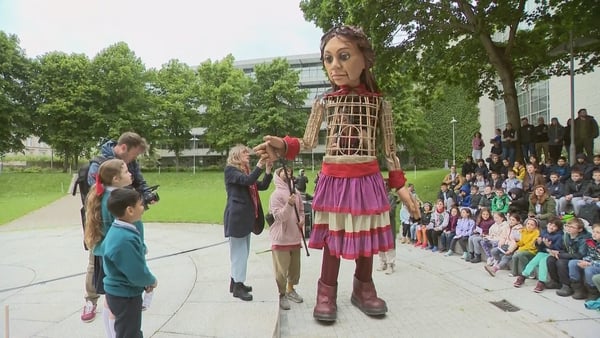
(506, 306)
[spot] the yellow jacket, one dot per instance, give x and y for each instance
(527, 241)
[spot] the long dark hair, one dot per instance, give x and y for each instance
(357, 36)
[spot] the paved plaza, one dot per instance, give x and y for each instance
(42, 264)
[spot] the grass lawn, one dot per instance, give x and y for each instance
(184, 197)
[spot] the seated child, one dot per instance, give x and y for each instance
(524, 249)
(127, 274)
(421, 229)
(449, 232)
(550, 239)
(490, 241)
(508, 239)
(482, 227)
(464, 228)
(589, 266)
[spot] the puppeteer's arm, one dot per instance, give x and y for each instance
(396, 175)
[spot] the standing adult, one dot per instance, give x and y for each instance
(527, 138)
(301, 182)
(351, 207)
(128, 147)
(477, 145)
(586, 130)
(541, 139)
(243, 212)
(509, 143)
(555, 139)
(567, 138)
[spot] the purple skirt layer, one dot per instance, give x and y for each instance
(355, 195)
(351, 216)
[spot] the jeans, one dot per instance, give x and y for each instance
(473, 244)
(588, 272)
(509, 153)
(527, 149)
(446, 239)
(239, 250)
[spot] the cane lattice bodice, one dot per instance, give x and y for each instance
(355, 124)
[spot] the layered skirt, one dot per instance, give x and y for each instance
(351, 212)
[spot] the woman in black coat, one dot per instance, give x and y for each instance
(243, 213)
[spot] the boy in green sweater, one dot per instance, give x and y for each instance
(127, 274)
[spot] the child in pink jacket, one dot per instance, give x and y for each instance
(286, 237)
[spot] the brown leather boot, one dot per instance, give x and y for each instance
(326, 307)
(364, 296)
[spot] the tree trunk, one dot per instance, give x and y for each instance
(504, 70)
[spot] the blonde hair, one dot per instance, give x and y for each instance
(235, 157)
(108, 170)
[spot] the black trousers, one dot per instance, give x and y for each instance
(558, 269)
(128, 315)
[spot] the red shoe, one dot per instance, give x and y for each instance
(89, 312)
(417, 244)
(520, 280)
(326, 307)
(539, 287)
(364, 297)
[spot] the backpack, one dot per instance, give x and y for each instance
(82, 178)
(82, 183)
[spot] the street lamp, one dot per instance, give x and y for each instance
(568, 48)
(194, 139)
(453, 141)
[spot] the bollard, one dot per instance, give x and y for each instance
(6, 329)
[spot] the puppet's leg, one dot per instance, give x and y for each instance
(364, 295)
(326, 307)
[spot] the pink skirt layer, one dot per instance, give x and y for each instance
(351, 216)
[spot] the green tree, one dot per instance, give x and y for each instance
(485, 45)
(223, 96)
(176, 107)
(276, 102)
(63, 90)
(121, 97)
(15, 99)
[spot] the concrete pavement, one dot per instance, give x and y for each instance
(42, 264)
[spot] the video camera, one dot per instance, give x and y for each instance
(151, 196)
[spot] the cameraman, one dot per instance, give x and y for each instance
(127, 148)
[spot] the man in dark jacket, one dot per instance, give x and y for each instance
(574, 189)
(586, 130)
(541, 139)
(527, 138)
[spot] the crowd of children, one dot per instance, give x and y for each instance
(511, 216)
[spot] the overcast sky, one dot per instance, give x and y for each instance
(191, 31)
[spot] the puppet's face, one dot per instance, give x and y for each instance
(343, 61)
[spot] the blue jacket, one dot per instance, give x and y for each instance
(239, 218)
(124, 261)
(107, 151)
(555, 238)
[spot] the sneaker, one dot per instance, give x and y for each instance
(539, 287)
(520, 280)
(390, 269)
(417, 244)
(465, 255)
(434, 249)
(491, 270)
(448, 253)
(424, 246)
(89, 312)
(284, 304)
(294, 296)
(490, 261)
(382, 266)
(510, 274)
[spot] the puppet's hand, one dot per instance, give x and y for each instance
(409, 201)
(271, 148)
